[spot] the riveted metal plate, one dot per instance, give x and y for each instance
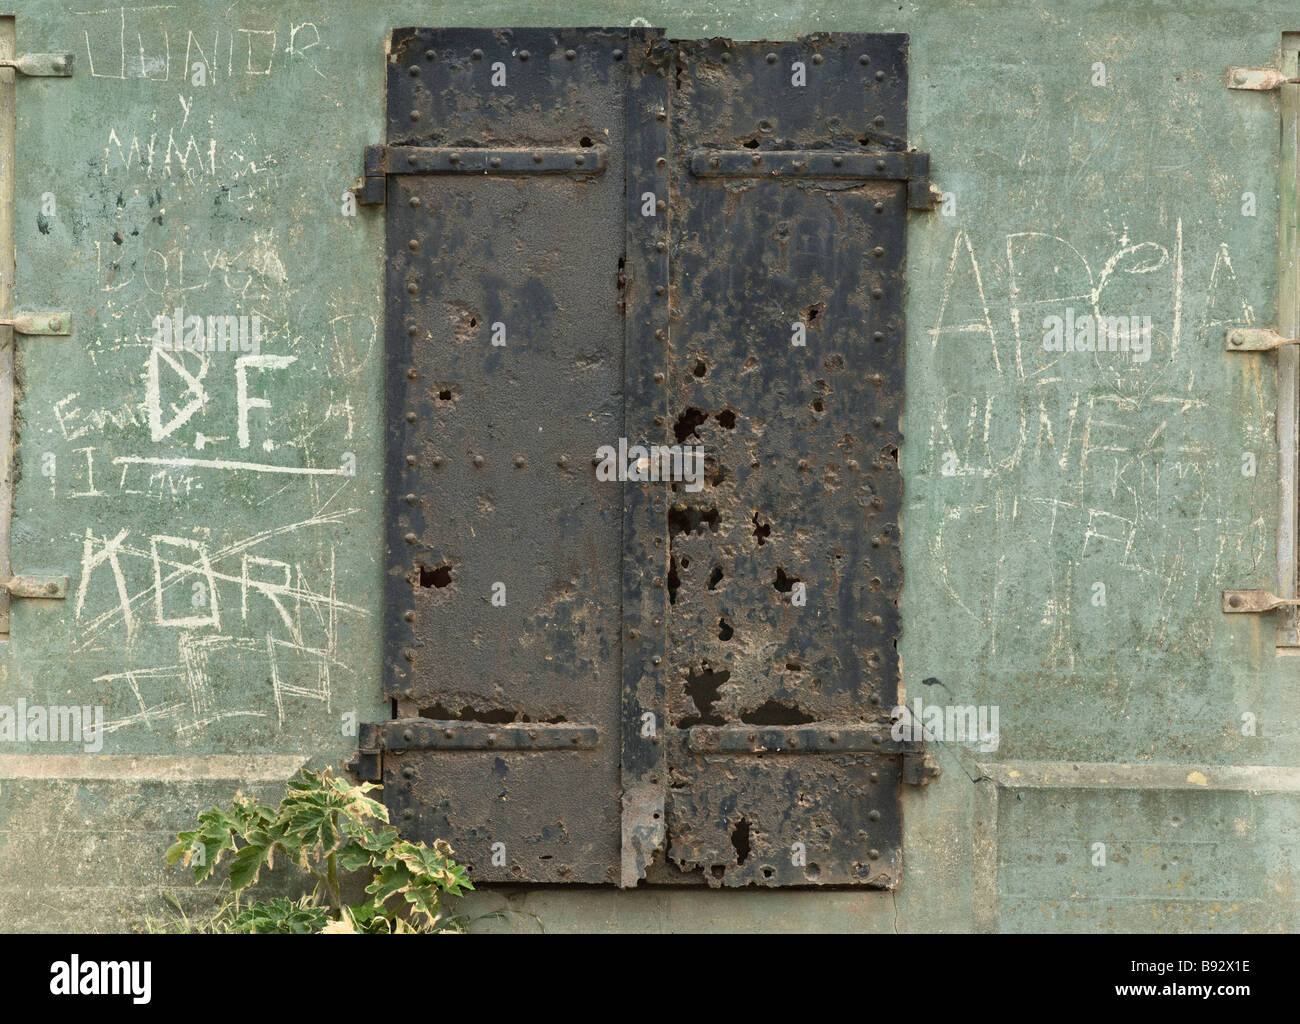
(426, 734)
(786, 364)
(505, 375)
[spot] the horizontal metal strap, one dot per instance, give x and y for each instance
(1255, 339)
(460, 160)
(431, 734)
(1247, 601)
(54, 588)
(795, 739)
(889, 165)
(41, 65)
(1258, 79)
(57, 324)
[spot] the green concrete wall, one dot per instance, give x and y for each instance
(1031, 476)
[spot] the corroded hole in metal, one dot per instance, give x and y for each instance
(740, 842)
(775, 712)
(715, 577)
(701, 368)
(725, 631)
(687, 422)
(761, 531)
(438, 576)
(674, 580)
(782, 582)
(487, 716)
(688, 519)
(703, 688)
(726, 419)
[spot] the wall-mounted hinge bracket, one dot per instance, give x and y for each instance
(1236, 602)
(52, 324)
(1258, 79)
(41, 65)
(36, 585)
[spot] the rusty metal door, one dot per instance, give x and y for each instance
(600, 239)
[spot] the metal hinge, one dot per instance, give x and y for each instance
(1255, 601)
(381, 161)
(1258, 79)
(376, 738)
(36, 585)
(1255, 339)
(54, 324)
(41, 65)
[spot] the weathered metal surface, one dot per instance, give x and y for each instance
(38, 586)
(645, 568)
(424, 734)
(785, 569)
(505, 373)
(794, 739)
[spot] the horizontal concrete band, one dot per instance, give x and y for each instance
(1084, 775)
(159, 767)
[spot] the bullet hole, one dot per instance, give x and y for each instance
(674, 581)
(818, 405)
(725, 632)
(784, 583)
(436, 576)
(585, 142)
(811, 314)
(774, 712)
(761, 530)
(687, 423)
(700, 369)
(727, 419)
(740, 840)
(444, 395)
(768, 872)
(686, 562)
(473, 321)
(692, 520)
(702, 687)
(715, 577)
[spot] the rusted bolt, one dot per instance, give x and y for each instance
(411, 538)
(878, 336)
(874, 854)
(771, 58)
(875, 776)
(532, 734)
(880, 165)
(454, 158)
(654, 622)
(875, 736)
(661, 115)
(817, 58)
(661, 246)
(570, 54)
(661, 335)
(803, 464)
(798, 165)
(725, 58)
(656, 660)
(494, 161)
(880, 76)
(408, 736)
(853, 465)
(1236, 337)
(415, 115)
(492, 739)
(408, 814)
(409, 616)
(792, 742)
(879, 122)
(752, 737)
(755, 159)
(411, 499)
(833, 737)
(524, 54)
(537, 158)
(408, 772)
(658, 582)
(715, 161)
(477, 54)
(412, 289)
(448, 734)
(520, 462)
(575, 739)
(1234, 601)
(864, 60)
(877, 294)
(661, 163)
(880, 207)
(478, 461)
(659, 378)
(874, 815)
(409, 655)
(412, 374)
(660, 289)
(634, 634)
(617, 55)
(877, 421)
(1239, 77)
(412, 330)
(410, 460)
(437, 460)
(661, 206)
(837, 161)
(562, 461)
(579, 160)
(875, 542)
(414, 70)
(430, 55)
(411, 417)
(878, 251)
